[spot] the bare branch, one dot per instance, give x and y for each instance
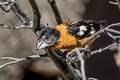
(78, 55)
(77, 49)
(117, 37)
(111, 36)
(13, 6)
(92, 79)
(91, 38)
(3, 3)
(21, 15)
(103, 49)
(102, 31)
(56, 11)
(113, 31)
(36, 27)
(113, 25)
(116, 3)
(37, 16)
(17, 60)
(63, 66)
(16, 28)
(82, 64)
(9, 4)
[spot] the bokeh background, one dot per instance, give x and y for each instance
(21, 43)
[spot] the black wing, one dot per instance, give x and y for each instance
(84, 28)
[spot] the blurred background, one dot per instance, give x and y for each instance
(21, 43)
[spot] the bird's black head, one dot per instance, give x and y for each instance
(48, 37)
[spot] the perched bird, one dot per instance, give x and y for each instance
(68, 35)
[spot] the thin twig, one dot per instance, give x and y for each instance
(17, 60)
(63, 66)
(16, 28)
(76, 49)
(8, 6)
(111, 2)
(92, 79)
(82, 64)
(91, 38)
(102, 31)
(103, 49)
(117, 37)
(113, 31)
(113, 25)
(75, 71)
(111, 36)
(56, 11)
(116, 3)
(80, 58)
(12, 5)
(3, 3)
(20, 14)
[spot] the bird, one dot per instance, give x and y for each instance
(68, 35)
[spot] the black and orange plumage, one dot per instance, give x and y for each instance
(68, 35)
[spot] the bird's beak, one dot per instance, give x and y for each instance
(41, 45)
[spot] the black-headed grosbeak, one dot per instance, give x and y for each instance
(69, 35)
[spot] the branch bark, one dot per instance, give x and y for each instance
(63, 67)
(18, 60)
(37, 16)
(55, 11)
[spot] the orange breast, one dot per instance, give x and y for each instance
(66, 40)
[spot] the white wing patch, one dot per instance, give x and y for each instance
(92, 32)
(82, 29)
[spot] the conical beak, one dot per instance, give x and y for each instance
(41, 45)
